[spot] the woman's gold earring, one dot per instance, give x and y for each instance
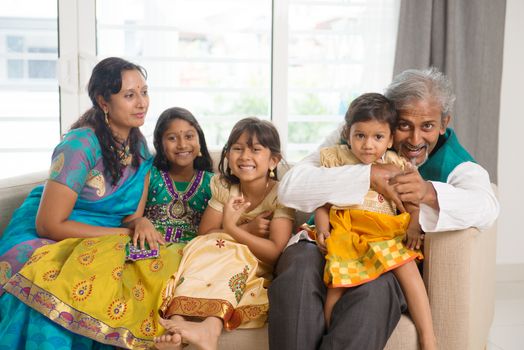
(107, 119)
(271, 173)
(200, 154)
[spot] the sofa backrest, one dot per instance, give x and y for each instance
(14, 190)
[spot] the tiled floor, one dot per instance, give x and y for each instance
(507, 331)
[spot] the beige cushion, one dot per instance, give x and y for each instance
(242, 339)
(404, 336)
(13, 192)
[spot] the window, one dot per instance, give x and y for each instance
(199, 54)
(298, 63)
(337, 51)
(29, 118)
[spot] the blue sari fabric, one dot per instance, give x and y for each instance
(20, 326)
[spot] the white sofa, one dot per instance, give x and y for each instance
(459, 273)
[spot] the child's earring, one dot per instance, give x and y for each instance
(271, 173)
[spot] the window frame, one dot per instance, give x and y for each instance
(77, 55)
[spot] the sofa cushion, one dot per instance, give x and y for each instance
(13, 192)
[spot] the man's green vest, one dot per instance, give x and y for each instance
(447, 154)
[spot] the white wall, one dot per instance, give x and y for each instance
(510, 246)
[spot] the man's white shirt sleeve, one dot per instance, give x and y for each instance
(465, 200)
(307, 185)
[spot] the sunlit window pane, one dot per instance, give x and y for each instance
(211, 57)
(338, 49)
(29, 117)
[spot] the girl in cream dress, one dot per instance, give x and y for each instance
(224, 273)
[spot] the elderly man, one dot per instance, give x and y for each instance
(453, 193)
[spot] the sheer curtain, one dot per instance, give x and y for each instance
(464, 39)
(338, 49)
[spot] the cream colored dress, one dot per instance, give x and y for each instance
(221, 277)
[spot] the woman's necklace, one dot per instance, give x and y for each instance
(123, 152)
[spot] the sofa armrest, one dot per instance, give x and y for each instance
(14, 190)
(459, 273)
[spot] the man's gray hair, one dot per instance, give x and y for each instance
(428, 84)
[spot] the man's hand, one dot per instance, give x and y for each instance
(411, 187)
(380, 182)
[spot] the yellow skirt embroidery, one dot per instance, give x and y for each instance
(86, 286)
(363, 245)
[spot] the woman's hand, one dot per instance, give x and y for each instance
(144, 231)
(259, 226)
(233, 209)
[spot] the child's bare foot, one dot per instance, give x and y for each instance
(168, 342)
(203, 335)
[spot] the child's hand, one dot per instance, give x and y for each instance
(233, 209)
(170, 286)
(146, 232)
(414, 238)
(321, 241)
(259, 226)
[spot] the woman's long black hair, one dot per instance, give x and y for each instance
(106, 80)
(202, 162)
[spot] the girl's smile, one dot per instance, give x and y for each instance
(249, 160)
(181, 147)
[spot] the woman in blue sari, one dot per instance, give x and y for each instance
(96, 183)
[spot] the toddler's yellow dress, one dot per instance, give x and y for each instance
(366, 240)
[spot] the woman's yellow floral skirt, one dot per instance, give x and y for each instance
(88, 287)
